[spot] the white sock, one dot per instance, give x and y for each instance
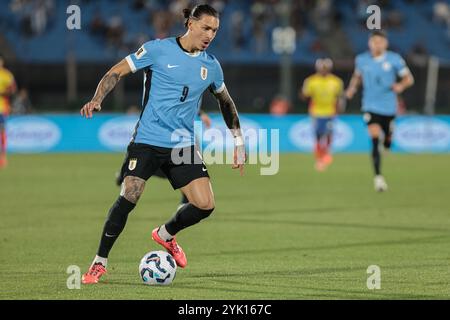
(103, 261)
(162, 232)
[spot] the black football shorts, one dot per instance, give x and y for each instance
(385, 122)
(179, 165)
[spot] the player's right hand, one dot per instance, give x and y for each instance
(89, 108)
(240, 155)
(349, 93)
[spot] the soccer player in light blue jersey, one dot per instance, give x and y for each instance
(176, 73)
(384, 75)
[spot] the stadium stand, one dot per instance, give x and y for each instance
(36, 30)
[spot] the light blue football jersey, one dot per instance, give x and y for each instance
(378, 75)
(174, 82)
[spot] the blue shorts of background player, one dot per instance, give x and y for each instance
(323, 126)
(323, 130)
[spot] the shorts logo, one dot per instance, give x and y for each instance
(203, 73)
(132, 164)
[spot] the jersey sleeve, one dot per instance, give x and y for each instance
(340, 86)
(10, 83)
(358, 64)
(306, 89)
(218, 83)
(144, 57)
(400, 66)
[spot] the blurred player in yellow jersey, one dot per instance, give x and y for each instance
(324, 91)
(7, 88)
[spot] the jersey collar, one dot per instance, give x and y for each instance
(379, 58)
(196, 54)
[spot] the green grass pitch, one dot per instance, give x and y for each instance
(297, 235)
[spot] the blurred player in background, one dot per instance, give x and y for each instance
(206, 120)
(324, 91)
(7, 88)
(378, 70)
(177, 72)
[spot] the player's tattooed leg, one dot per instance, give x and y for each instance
(132, 188)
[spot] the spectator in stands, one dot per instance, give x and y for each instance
(322, 16)
(98, 26)
(299, 16)
(259, 12)
(280, 105)
(418, 54)
(38, 18)
(162, 22)
(139, 4)
(17, 6)
(219, 5)
(361, 11)
(115, 31)
(21, 103)
(441, 13)
(237, 30)
(394, 19)
(33, 15)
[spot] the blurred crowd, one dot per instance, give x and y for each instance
(441, 15)
(34, 15)
(248, 25)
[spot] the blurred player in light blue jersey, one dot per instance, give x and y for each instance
(383, 75)
(176, 73)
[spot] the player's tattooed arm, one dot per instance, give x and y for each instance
(231, 117)
(355, 81)
(105, 86)
(229, 112)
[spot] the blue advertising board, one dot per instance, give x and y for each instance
(112, 132)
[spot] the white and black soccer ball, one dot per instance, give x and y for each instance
(158, 268)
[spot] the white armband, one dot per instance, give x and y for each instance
(238, 141)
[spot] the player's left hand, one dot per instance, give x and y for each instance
(206, 120)
(89, 108)
(239, 154)
(398, 88)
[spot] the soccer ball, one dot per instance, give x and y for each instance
(157, 268)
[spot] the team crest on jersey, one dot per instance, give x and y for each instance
(132, 164)
(203, 73)
(386, 66)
